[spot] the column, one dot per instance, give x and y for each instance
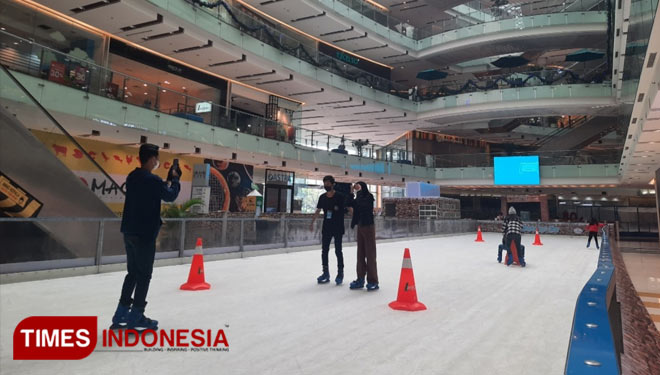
(545, 214)
(504, 208)
(657, 196)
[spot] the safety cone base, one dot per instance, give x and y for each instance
(407, 306)
(197, 286)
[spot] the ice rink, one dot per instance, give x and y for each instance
(482, 317)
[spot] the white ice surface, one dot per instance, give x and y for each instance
(482, 317)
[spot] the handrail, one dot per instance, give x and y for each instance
(60, 127)
(560, 131)
(100, 78)
(593, 345)
(477, 14)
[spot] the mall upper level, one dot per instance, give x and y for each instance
(337, 96)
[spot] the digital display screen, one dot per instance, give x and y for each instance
(517, 170)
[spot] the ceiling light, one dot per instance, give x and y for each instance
(652, 182)
(145, 85)
(574, 198)
(588, 198)
(167, 82)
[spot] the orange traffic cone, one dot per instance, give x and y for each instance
(479, 237)
(196, 275)
(407, 297)
(514, 253)
(537, 239)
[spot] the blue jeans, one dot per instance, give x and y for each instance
(140, 253)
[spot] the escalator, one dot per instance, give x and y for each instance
(579, 136)
(34, 169)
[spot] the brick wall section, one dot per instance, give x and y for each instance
(641, 340)
(408, 208)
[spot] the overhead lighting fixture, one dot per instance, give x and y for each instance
(49, 11)
(167, 82)
(379, 6)
(652, 182)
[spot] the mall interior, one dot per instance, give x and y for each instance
(451, 111)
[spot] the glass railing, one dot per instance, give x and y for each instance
(471, 13)
(562, 157)
(297, 45)
(25, 56)
(27, 109)
(534, 78)
(102, 242)
(30, 58)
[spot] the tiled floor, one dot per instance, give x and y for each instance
(644, 271)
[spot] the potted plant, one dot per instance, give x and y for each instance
(169, 237)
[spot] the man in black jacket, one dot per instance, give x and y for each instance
(332, 203)
(140, 225)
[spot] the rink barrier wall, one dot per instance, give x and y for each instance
(529, 227)
(596, 340)
(31, 253)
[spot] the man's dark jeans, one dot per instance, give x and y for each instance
(140, 253)
(325, 249)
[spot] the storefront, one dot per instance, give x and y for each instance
(279, 191)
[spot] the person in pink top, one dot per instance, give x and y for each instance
(593, 229)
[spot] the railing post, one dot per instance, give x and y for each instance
(99, 246)
(223, 241)
(240, 243)
(285, 222)
(182, 238)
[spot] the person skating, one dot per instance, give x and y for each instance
(511, 230)
(593, 229)
(332, 203)
(140, 225)
(362, 208)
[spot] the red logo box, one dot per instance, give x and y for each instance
(55, 337)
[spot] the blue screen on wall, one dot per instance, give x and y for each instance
(517, 170)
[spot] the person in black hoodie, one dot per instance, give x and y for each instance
(140, 225)
(362, 208)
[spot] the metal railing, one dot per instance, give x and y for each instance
(596, 340)
(111, 84)
(544, 77)
(470, 13)
(31, 58)
(295, 44)
(54, 243)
